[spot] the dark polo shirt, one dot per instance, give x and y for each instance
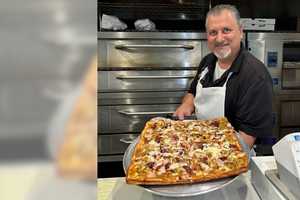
(248, 99)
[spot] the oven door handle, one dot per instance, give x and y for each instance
(128, 140)
(145, 112)
(128, 46)
(155, 77)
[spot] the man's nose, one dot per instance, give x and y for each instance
(220, 37)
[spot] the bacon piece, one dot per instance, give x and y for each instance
(215, 123)
(223, 158)
(167, 165)
(150, 165)
(188, 169)
(158, 139)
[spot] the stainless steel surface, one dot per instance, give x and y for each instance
(262, 45)
(266, 190)
(146, 113)
(289, 179)
(152, 35)
(240, 189)
(140, 98)
(110, 56)
(186, 190)
(271, 48)
(124, 46)
(273, 176)
(130, 118)
(144, 80)
(274, 36)
(154, 77)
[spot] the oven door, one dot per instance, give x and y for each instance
(156, 80)
(122, 117)
(151, 53)
(130, 118)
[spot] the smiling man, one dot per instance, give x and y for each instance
(230, 81)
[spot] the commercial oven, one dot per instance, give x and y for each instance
(281, 54)
(140, 76)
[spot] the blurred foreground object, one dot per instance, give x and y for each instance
(77, 156)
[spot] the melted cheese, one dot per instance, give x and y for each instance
(215, 151)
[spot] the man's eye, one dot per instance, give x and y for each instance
(212, 33)
(226, 30)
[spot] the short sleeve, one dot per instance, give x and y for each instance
(254, 109)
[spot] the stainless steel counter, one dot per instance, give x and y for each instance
(116, 188)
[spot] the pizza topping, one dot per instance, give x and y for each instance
(174, 166)
(188, 169)
(186, 151)
(204, 166)
(215, 123)
(150, 165)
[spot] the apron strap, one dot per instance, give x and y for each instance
(229, 75)
(203, 73)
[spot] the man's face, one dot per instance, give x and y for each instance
(223, 35)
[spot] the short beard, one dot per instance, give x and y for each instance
(224, 53)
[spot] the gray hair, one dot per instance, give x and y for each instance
(221, 7)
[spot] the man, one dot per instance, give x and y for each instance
(230, 81)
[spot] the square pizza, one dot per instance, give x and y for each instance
(188, 151)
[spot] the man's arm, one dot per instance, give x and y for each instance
(248, 139)
(186, 108)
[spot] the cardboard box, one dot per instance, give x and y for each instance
(260, 24)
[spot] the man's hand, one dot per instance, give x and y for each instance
(186, 108)
(248, 139)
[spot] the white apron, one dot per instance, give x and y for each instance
(210, 103)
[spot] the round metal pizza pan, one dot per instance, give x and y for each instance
(185, 190)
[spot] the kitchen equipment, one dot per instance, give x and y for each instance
(287, 156)
(185, 190)
(280, 53)
(141, 75)
(261, 24)
(261, 169)
(168, 15)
